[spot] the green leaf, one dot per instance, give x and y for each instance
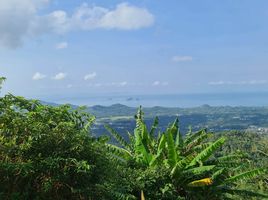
(246, 175)
(181, 165)
(141, 151)
(117, 136)
(206, 153)
(245, 193)
(172, 154)
(120, 152)
(197, 140)
(161, 143)
(191, 136)
(199, 170)
(154, 127)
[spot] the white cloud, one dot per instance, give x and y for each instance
(216, 83)
(59, 76)
(15, 20)
(126, 17)
(21, 19)
(62, 45)
(182, 58)
(117, 84)
(38, 76)
(109, 84)
(257, 82)
(85, 17)
(251, 82)
(156, 83)
(90, 76)
(122, 84)
(159, 83)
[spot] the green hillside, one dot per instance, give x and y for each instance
(50, 152)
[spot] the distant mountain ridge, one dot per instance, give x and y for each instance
(215, 118)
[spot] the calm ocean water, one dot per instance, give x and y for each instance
(181, 100)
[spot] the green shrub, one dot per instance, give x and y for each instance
(48, 153)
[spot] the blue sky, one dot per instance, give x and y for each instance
(71, 47)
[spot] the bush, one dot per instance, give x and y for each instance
(48, 153)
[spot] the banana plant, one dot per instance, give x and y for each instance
(141, 146)
(189, 159)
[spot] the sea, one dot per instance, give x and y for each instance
(168, 100)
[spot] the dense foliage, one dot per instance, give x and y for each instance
(255, 146)
(184, 167)
(50, 153)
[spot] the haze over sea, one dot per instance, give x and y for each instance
(169, 100)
